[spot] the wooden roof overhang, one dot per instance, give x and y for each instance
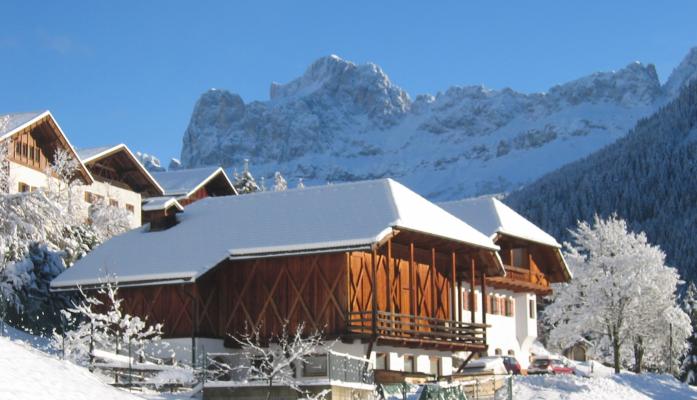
(219, 184)
(51, 137)
(489, 258)
(554, 265)
(119, 164)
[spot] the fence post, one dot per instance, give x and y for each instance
(130, 366)
(204, 364)
(510, 387)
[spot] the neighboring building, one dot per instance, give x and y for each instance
(371, 264)
(32, 140)
(181, 188)
(190, 185)
(119, 179)
(532, 259)
(578, 351)
(110, 174)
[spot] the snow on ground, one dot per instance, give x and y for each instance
(28, 373)
(625, 386)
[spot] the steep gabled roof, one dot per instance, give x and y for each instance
(94, 154)
(333, 218)
(184, 182)
(11, 124)
(492, 217)
(161, 203)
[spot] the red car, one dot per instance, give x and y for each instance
(552, 366)
(512, 365)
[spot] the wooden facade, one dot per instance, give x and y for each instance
(35, 145)
(402, 293)
(530, 267)
(216, 186)
(121, 169)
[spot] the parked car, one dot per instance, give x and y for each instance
(552, 366)
(512, 365)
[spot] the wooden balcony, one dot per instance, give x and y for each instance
(522, 279)
(417, 331)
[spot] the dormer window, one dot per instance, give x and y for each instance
(520, 257)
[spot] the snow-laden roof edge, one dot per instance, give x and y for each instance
(494, 218)
(491, 216)
(334, 218)
(44, 114)
(109, 150)
(160, 203)
(190, 191)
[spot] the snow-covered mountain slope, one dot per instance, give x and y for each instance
(647, 177)
(342, 122)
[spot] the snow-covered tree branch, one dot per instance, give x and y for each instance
(275, 362)
(99, 323)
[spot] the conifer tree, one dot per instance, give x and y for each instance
(688, 369)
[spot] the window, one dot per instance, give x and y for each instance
(409, 364)
(93, 198)
(18, 149)
(493, 305)
(113, 203)
(382, 362)
(25, 150)
(315, 366)
(520, 257)
(130, 208)
(31, 152)
(533, 312)
(467, 301)
(435, 366)
(37, 155)
(23, 187)
(508, 307)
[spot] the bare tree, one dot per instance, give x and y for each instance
(275, 362)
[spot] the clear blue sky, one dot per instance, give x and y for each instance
(131, 72)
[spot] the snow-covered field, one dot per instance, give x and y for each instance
(625, 386)
(28, 373)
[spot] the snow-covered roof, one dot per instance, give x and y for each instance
(184, 182)
(13, 123)
(10, 123)
(492, 217)
(330, 218)
(160, 203)
(91, 154)
(87, 154)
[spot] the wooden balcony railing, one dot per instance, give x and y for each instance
(525, 275)
(413, 327)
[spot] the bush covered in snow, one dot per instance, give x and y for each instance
(41, 233)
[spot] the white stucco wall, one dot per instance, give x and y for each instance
(122, 196)
(516, 333)
(20, 173)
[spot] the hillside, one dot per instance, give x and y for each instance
(649, 178)
(342, 121)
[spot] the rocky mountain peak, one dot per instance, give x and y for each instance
(683, 74)
(634, 84)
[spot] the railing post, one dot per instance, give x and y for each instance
(374, 293)
(484, 303)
